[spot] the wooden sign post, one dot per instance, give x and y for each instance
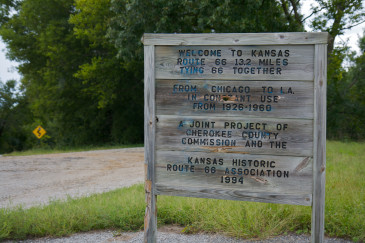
(236, 117)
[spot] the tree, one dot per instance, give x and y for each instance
(7, 102)
(291, 10)
(39, 36)
(82, 60)
(130, 19)
(75, 85)
(14, 115)
(352, 116)
(115, 84)
(135, 17)
(336, 16)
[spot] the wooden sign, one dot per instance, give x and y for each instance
(236, 117)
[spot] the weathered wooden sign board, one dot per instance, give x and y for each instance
(236, 117)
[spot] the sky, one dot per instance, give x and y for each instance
(8, 68)
(351, 35)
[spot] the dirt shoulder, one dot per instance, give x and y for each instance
(37, 179)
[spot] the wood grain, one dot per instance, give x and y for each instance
(150, 220)
(194, 169)
(182, 97)
(185, 118)
(236, 39)
(171, 63)
(319, 168)
(238, 195)
(173, 131)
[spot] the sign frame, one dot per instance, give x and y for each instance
(318, 40)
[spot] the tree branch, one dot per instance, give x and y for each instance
(314, 12)
(351, 26)
(353, 83)
(296, 14)
(283, 4)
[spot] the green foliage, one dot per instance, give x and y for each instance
(124, 209)
(346, 90)
(336, 16)
(91, 20)
(345, 119)
(131, 19)
(14, 114)
(81, 61)
(115, 84)
(73, 82)
(135, 17)
(291, 9)
(82, 64)
(40, 37)
(344, 13)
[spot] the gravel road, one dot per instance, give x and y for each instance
(34, 180)
(171, 237)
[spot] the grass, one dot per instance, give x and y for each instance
(48, 150)
(345, 190)
(124, 209)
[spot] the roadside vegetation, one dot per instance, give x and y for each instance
(123, 209)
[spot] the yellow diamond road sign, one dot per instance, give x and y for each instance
(39, 132)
